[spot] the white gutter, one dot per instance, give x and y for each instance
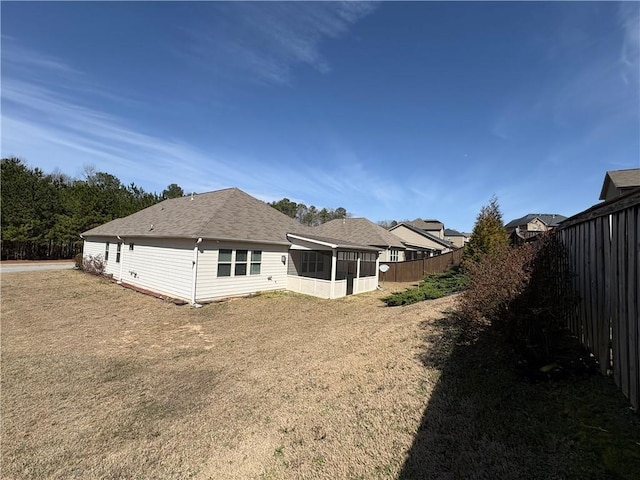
(194, 274)
(312, 240)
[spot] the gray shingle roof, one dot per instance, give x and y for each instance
(430, 224)
(450, 232)
(229, 214)
(621, 179)
(551, 219)
(359, 230)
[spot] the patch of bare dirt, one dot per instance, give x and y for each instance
(102, 382)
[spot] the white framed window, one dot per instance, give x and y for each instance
(256, 260)
(394, 255)
(106, 251)
(224, 262)
(241, 262)
(118, 251)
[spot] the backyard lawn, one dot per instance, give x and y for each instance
(103, 382)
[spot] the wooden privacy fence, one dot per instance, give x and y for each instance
(414, 270)
(603, 248)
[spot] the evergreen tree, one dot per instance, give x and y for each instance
(173, 191)
(488, 234)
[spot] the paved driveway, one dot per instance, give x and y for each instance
(10, 267)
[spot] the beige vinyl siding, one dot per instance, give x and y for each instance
(160, 265)
(273, 272)
(414, 238)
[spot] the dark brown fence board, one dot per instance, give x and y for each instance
(415, 270)
(632, 300)
(605, 363)
(603, 254)
(615, 297)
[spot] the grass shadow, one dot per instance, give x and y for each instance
(483, 421)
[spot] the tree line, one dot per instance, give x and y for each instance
(311, 216)
(43, 215)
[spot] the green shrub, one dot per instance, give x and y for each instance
(432, 286)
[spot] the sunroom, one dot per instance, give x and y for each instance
(329, 268)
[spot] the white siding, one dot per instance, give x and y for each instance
(96, 247)
(273, 272)
(160, 265)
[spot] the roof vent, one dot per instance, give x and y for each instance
(192, 196)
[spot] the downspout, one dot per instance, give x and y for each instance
(194, 274)
(121, 243)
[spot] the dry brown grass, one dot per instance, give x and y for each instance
(102, 382)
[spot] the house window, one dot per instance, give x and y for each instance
(106, 252)
(241, 263)
(224, 263)
(131, 247)
(312, 262)
(393, 255)
(256, 259)
(118, 251)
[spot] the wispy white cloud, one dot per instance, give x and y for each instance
(629, 18)
(60, 130)
(263, 42)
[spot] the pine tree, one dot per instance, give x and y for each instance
(488, 235)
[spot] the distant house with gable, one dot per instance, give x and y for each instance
(524, 228)
(619, 182)
(421, 243)
(459, 239)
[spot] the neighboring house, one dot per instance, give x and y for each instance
(619, 182)
(434, 227)
(365, 232)
(420, 243)
(457, 238)
(524, 228)
(227, 243)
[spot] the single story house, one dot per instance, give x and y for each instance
(365, 232)
(420, 243)
(226, 243)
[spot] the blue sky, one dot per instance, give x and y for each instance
(390, 110)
